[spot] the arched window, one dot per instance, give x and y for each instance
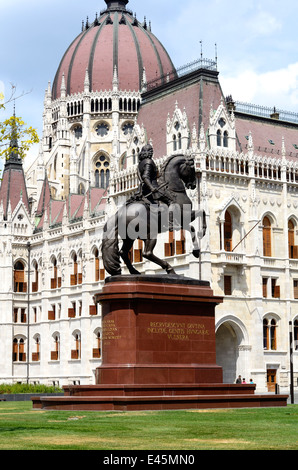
(55, 354)
(36, 354)
(293, 250)
(76, 353)
(74, 275)
(225, 139)
(97, 350)
(97, 178)
(18, 350)
(218, 138)
(96, 259)
(174, 143)
(228, 232)
(99, 272)
(179, 141)
(269, 334)
(19, 277)
(35, 282)
(123, 162)
(54, 280)
(81, 189)
(102, 172)
(266, 237)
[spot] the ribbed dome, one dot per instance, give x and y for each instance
(116, 38)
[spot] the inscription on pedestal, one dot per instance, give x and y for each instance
(110, 331)
(178, 331)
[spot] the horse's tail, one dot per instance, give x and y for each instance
(110, 248)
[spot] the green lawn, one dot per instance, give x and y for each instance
(22, 428)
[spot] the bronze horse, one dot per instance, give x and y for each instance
(138, 219)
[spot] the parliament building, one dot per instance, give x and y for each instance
(115, 90)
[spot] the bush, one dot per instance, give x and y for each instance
(27, 388)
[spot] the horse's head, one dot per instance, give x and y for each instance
(179, 173)
(188, 173)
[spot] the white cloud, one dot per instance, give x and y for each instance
(274, 88)
(263, 24)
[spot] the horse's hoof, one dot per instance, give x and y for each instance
(134, 271)
(196, 253)
(171, 271)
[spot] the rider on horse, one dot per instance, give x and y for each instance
(149, 190)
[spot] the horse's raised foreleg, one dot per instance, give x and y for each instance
(148, 254)
(124, 253)
(201, 233)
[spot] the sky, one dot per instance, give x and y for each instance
(256, 43)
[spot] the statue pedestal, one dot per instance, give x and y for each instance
(158, 349)
(158, 330)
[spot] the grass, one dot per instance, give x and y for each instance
(22, 428)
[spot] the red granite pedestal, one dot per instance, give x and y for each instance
(158, 351)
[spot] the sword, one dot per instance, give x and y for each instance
(157, 189)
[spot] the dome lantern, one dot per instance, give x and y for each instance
(116, 5)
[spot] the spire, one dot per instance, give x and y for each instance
(45, 197)
(14, 157)
(13, 180)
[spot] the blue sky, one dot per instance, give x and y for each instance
(256, 42)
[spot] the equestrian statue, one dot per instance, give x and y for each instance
(160, 205)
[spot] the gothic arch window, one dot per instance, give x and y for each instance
(267, 237)
(269, 334)
(218, 138)
(123, 162)
(174, 143)
(293, 249)
(102, 172)
(36, 275)
(76, 276)
(36, 353)
(133, 157)
(96, 353)
(228, 231)
(55, 280)
(99, 271)
(225, 139)
(76, 353)
(18, 350)
(19, 277)
(81, 189)
(179, 141)
(55, 353)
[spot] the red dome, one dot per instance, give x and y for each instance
(116, 38)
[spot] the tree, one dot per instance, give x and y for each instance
(14, 130)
